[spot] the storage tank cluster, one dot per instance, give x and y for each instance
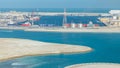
(80, 25)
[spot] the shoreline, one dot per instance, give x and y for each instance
(12, 48)
(66, 30)
(82, 30)
(95, 65)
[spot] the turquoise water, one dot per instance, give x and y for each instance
(106, 49)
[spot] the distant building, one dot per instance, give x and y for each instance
(113, 19)
(114, 11)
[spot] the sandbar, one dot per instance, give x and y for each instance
(14, 48)
(95, 65)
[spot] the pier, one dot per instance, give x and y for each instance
(54, 13)
(69, 14)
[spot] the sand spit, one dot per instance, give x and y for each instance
(95, 65)
(14, 48)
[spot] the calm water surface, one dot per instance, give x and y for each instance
(106, 49)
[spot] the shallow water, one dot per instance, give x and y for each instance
(106, 49)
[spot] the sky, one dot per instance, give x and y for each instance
(59, 3)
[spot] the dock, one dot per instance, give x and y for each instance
(69, 14)
(54, 13)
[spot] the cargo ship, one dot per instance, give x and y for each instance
(26, 24)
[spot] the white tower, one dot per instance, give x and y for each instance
(64, 18)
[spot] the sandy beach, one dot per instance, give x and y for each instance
(95, 65)
(14, 48)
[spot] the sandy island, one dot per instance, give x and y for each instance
(95, 65)
(13, 48)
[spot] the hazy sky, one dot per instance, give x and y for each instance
(59, 3)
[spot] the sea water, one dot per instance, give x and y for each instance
(106, 48)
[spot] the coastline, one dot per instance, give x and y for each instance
(14, 48)
(82, 30)
(95, 65)
(66, 30)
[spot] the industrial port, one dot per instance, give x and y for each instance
(16, 19)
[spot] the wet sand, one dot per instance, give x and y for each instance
(14, 48)
(95, 65)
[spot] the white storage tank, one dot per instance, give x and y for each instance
(114, 17)
(80, 25)
(90, 24)
(73, 25)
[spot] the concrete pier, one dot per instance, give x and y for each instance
(71, 14)
(55, 13)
